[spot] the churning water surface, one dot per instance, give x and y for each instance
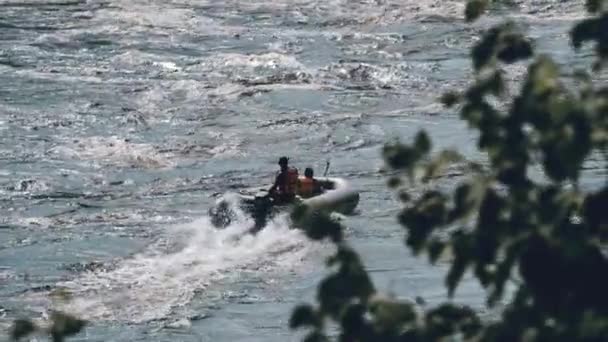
(121, 119)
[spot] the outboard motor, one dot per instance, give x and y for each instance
(221, 214)
(260, 211)
(258, 207)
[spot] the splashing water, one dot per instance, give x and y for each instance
(115, 151)
(151, 285)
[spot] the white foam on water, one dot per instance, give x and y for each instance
(268, 60)
(144, 16)
(120, 152)
(39, 2)
(57, 39)
(5, 274)
(155, 283)
(131, 58)
(169, 66)
(188, 91)
(115, 151)
(40, 222)
(31, 185)
(227, 145)
(148, 14)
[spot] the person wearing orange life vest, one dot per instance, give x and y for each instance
(285, 185)
(308, 186)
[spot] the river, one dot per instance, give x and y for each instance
(120, 121)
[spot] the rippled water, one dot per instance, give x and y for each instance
(120, 119)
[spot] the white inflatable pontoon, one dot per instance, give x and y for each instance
(337, 196)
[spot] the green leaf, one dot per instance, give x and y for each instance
(495, 83)
(503, 273)
(422, 143)
(594, 6)
(483, 52)
(65, 325)
(596, 213)
(540, 268)
(438, 164)
(22, 328)
(391, 314)
(474, 9)
(490, 211)
(450, 99)
(459, 267)
(594, 327)
(353, 322)
(514, 47)
(565, 149)
(543, 77)
(435, 248)
(404, 196)
(350, 283)
(316, 224)
(399, 156)
(462, 258)
(315, 336)
(428, 212)
(472, 114)
(584, 31)
(304, 315)
(394, 182)
(448, 319)
(465, 200)
(503, 42)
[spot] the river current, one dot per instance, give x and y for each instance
(121, 121)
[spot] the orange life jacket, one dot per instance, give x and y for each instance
(307, 187)
(290, 183)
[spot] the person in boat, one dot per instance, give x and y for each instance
(285, 184)
(309, 186)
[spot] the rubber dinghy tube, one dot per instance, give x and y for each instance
(339, 196)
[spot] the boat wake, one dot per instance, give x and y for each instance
(190, 262)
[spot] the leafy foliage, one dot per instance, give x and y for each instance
(474, 9)
(62, 325)
(22, 328)
(545, 236)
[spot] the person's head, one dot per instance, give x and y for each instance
(308, 173)
(283, 163)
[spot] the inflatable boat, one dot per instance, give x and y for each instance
(336, 195)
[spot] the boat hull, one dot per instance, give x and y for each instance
(337, 196)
